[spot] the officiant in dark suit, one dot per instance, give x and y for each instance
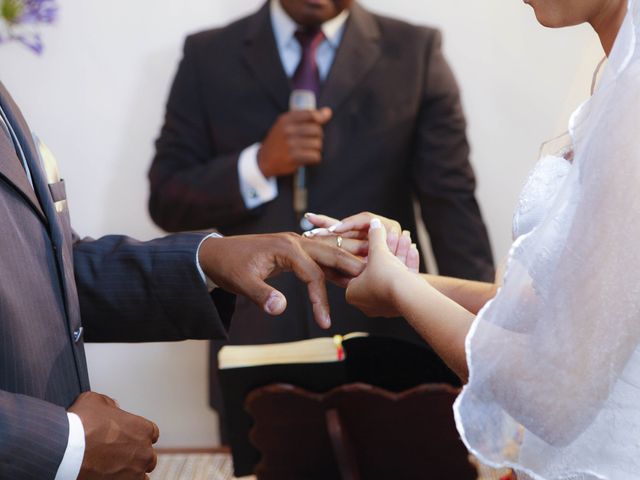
(389, 129)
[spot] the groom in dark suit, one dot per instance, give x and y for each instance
(56, 291)
(389, 129)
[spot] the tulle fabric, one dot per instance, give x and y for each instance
(554, 358)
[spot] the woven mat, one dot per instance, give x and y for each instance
(196, 466)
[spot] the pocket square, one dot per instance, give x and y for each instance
(56, 184)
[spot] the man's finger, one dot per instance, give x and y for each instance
(302, 116)
(307, 270)
(155, 432)
(336, 278)
(319, 302)
(323, 115)
(276, 302)
(109, 401)
(301, 144)
(320, 117)
(305, 130)
(353, 246)
(268, 298)
(329, 255)
(153, 463)
(307, 157)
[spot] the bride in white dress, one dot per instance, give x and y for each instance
(551, 357)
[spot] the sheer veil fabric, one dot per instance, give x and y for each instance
(554, 358)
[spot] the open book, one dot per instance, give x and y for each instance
(313, 350)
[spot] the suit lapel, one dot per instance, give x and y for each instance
(10, 164)
(261, 56)
(358, 52)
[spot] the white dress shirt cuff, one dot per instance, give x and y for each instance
(69, 468)
(210, 284)
(255, 188)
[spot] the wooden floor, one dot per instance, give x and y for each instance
(194, 465)
(216, 464)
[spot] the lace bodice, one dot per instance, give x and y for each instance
(539, 192)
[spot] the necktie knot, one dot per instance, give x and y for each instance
(309, 38)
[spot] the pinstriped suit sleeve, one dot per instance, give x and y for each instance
(133, 291)
(33, 437)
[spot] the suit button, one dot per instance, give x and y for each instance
(77, 334)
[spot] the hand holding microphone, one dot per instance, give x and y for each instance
(295, 139)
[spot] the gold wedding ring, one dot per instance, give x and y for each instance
(339, 241)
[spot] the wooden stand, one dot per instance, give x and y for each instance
(357, 432)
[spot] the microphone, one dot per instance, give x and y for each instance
(301, 100)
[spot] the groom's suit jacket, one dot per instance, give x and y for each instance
(397, 133)
(57, 291)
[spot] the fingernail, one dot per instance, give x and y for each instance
(327, 321)
(375, 223)
(319, 231)
(406, 233)
(314, 232)
(275, 304)
(333, 228)
(414, 246)
(309, 214)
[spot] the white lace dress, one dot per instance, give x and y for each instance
(554, 358)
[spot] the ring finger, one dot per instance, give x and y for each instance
(352, 245)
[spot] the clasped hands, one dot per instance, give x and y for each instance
(388, 251)
(356, 253)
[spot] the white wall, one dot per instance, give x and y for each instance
(97, 98)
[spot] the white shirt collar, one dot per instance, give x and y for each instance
(284, 26)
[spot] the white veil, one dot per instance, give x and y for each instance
(554, 358)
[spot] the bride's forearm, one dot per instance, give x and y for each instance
(443, 323)
(470, 294)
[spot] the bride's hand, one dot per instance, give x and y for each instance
(373, 291)
(355, 227)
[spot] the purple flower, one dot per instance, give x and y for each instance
(38, 11)
(22, 18)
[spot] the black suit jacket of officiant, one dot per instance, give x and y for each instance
(397, 133)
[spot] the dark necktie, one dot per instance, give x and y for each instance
(307, 75)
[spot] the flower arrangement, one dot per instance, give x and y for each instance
(20, 19)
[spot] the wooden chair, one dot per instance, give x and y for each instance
(357, 432)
